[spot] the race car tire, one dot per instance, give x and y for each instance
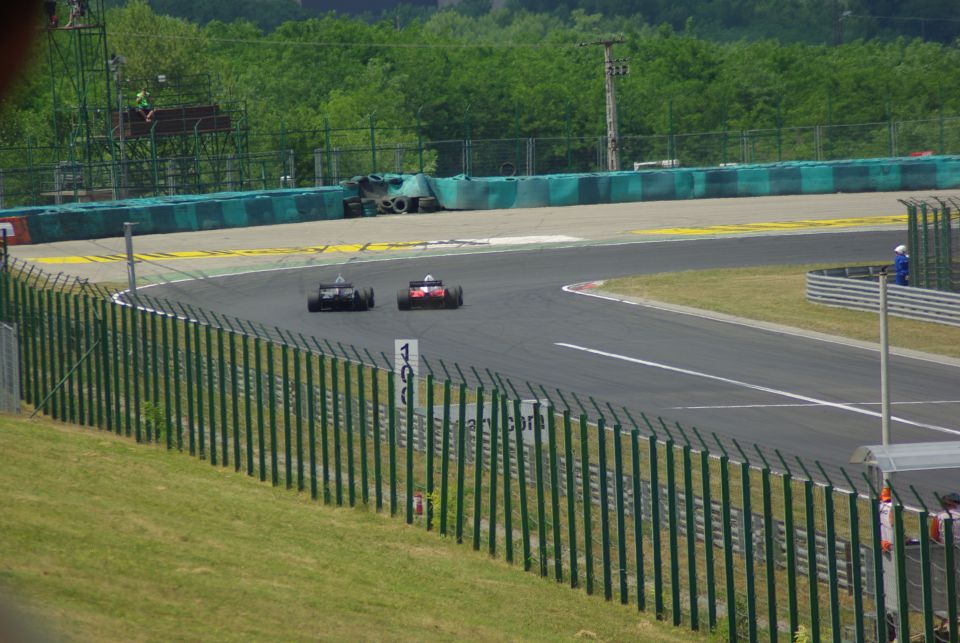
(369, 293)
(359, 300)
(403, 299)
(313, 303)
(459, 295)
(450, 299)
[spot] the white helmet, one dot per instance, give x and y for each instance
(901, 249)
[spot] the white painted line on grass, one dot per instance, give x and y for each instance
(755, 387)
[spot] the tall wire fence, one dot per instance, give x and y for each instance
(36, 175)
(693, 528)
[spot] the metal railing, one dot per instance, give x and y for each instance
(858, 288)
(607, 499)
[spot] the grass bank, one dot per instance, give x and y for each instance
(777, 294)
(104, 539)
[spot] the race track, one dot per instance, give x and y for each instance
(809, 398)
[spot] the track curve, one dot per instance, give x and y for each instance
(810, 398)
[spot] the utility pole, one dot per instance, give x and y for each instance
(884, 366)
(612, 67)
(131, 271)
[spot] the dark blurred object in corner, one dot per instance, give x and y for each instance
(20, 22)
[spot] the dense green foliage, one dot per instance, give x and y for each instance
(508, 72)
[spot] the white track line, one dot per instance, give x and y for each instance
(755, 387)
(798, 405)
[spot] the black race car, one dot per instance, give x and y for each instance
(340, 295)
(429, 293)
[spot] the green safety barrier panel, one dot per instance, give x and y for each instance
(181, 213)
(863, 175)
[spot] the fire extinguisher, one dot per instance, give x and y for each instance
(418, 503)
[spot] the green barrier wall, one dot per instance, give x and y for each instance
(181, 213)
(866, 175)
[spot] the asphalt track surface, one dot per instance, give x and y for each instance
(814, 399)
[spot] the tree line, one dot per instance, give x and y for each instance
(509, 72)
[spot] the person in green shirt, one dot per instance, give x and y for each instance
(143, 105)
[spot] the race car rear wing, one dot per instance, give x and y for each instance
(429, 284)
(342, 284)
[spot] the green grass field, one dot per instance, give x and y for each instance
(107, 540)
(777, 294)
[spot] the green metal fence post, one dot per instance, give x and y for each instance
(673, 530)
(348, 432)
(430, 435)
(638, 520)
(287, 437)
(555, 494)
(791, 554)
(731, 598)
(926, 587)
(899, 546)
(312, 425)
(135, 371)
(125, 329)
(222, 394)
(494, 455)
(604, 508)
(878, 559)
(655, 529)
(522, 483)
(949, 554)
(154, 370)
(272, 411)
(445, 459)
(507, 476)
(198, 387)
(114, 365)
(568, 463)
(247, 394)
(478, 470)
(585, 481)
(362, 422)
(235, 401)
(165, 323)
(188, 361)
(538, 477)
(298, 416)
(812, 580)
(211, 398)
(461, 458)
(410, 400)
(324, 424)
(691, 536)
(392, 438)
(79, 332)
(770, 561)
(337, 456)
(748, 552)
(57, 348)
(261, 429)
(831, 536)
(621, 517)
(377, 467)
(856, 570)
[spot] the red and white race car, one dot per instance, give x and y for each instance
(429, 293)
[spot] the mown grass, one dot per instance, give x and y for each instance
(777, 294)
(104, 539)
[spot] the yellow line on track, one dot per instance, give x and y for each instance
(807, 224)
(246, 252)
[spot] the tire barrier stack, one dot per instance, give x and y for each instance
(175, 214)
(868, 175)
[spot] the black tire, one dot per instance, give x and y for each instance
(459, 295)
(401, 204)
(403, 299)
(450, 299)
(313, 303)
(369, 292)
(385, 206)
(427, 204)
(359, 300)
